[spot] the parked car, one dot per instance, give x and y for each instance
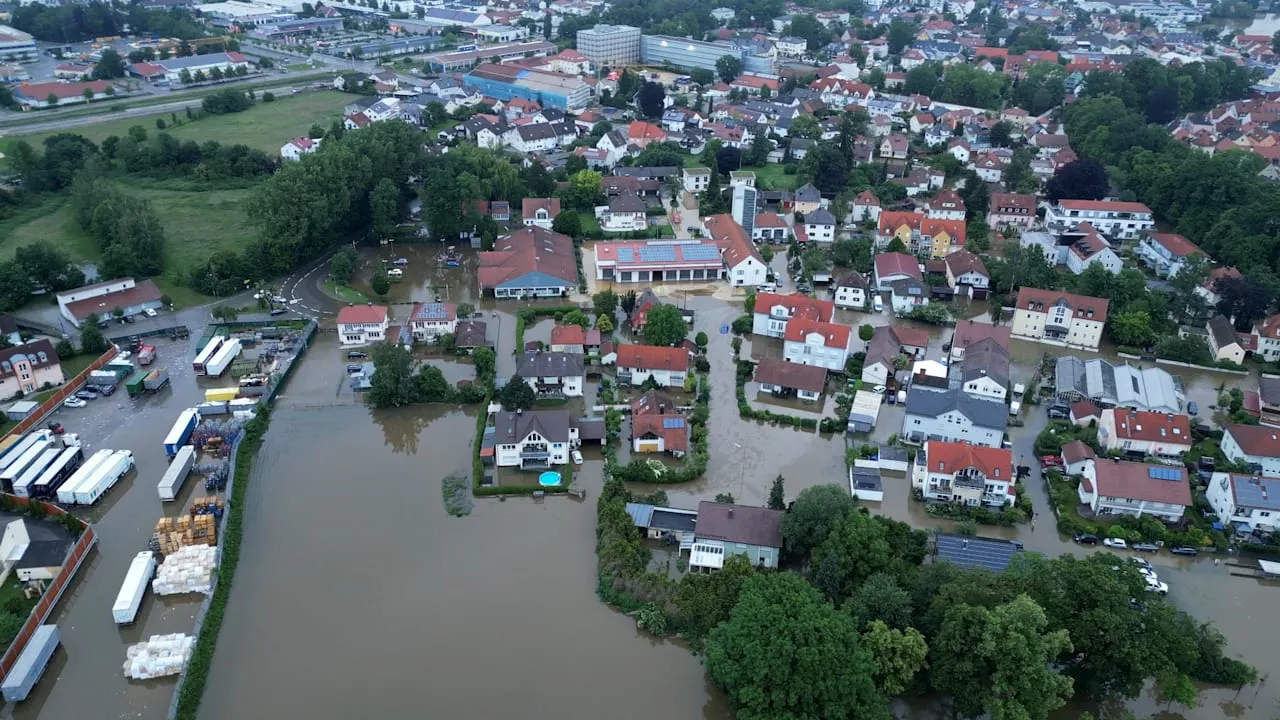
(1193, 408)
(1049, 461)
(1059, 412)
(353, 369)
(1118, 543)
(1185, 550)
(279, 311)
(356, 355)
(55, 427)
(87, 394)
(879, 389)
(1155, 586)
(1146, 547)
(149, 312)
(1142, 563)
(1086, 539)
(74, 402)
(577, 457)
(106, 389)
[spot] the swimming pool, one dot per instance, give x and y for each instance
(549, 479)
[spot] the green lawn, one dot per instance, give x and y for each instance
(345, 292)
(265, 126)
(590, 226)
(72, 366)
(774, 177)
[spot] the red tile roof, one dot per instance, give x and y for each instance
(63, 91)
(528, 250)
(888, 264)
(362, 314)
(651, 357)
(1133, 481)
(797, 305)
(1151, 426)
(568, 335)
(891, 222)
(530, 206)
(969, 332)
(676, 439)
(1175, 243)
(1076, 450)
(1105, 206)
(833, 335)
(732, 239)
(949, 458)
(1257, 440)
(1082, 306)
(955, 229)
(145, 291)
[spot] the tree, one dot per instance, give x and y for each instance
(896, 656)
(854, 253)
(724, 498)
(1243, 299)
(48, 267)
(853, 551)
(185, 77)
(999, 661)
(805, 126)
(1177, 688)
(866, 332)
(517, 395)
(343, 264)
(766, 254)
(380, 284)
(901, 34)
(728, 67)
(705, 601)
(1079, 180)
(51, 100)
(880, 599)
(384, 201)
(628, 302)
(568, 223)
(813, 515)
(651, 99)
(664, 326)
(393, 383)
(815, 34)
(1001, 133)
(784, 653)
(430, 384)
(605, 302)
(604, 324)
(1131, 328)
(777, 498)
(91, 340)
(583, 190)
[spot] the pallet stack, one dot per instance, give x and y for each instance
(172, 534)
(208, 505)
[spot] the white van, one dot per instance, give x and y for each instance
(877, 303)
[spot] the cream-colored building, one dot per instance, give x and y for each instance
(1059, 318)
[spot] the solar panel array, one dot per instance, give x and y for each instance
(1163, 473)
(982, 553)
(625, 255)
(657, 253)
(700, 253)
(672, 423)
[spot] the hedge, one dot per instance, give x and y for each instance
(639, 470)
(747, 412)
(202, 658)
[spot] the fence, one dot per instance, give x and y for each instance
(53, 401)
(156, 332)
(70, 565)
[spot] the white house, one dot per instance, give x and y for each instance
(552, 374)
(962, 473)
(626, 213)
(865, 207)
(984, 372)
(362, 324)
(695, 180)
(946, 205)
(1255, 445)
(773, 312)
(820, 226)
(742, 259)
(887, 343)
(966, 270)
(299, 146)
(1059, 318)
(953, 416)
(811, 342)
(1125, 220)
(850, 291)
(907, 295)
(533, 438)
(1249, 503)
(1166, 253)
(668, 366)
(431, 320)
(539, 212)
(792, 47)
(1143, 433)
(1111, 487)
(1085, 247)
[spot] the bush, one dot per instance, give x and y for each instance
(268, 97)
(65, 349)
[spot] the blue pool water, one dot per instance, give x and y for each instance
(549, 479)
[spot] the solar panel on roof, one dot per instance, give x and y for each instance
(984, 553)
(657, 253)
(1163, 473)
(625, 255)
(700, 253)
(672, 423)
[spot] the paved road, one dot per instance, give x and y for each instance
(302, 289)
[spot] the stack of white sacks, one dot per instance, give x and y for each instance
(159, 656)
(190, 570)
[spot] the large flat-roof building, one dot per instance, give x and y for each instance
(16, 46)
(685, 53)
(658, 261)
(549, 89)
(610, 44)
(464, 59)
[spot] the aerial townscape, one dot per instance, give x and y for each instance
(758, 359)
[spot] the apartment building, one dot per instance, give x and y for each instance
(610, 44)
(1059, 318)
(1124, 220)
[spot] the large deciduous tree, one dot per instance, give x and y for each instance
(728, 68)
(393, 381)
(785, 653)
(896, 656)
(650, 99)
(853, 550)
(814, 514)
(1079, 180)
(664, 325)
(517, 394)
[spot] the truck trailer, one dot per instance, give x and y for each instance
(135, 384)
(206, 354)
(221, 360)
(19, 447)
(221, 394)
(147, 354)
(20, 465)
(67, 491)
(176, 475)
(31, 663)
(28, 478)
(155, 380)
(62, 468)
(103, 378)
(104, 477)
(181, 432)
(136, 580)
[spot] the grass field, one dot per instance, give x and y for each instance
(773, 177)
(265, 126)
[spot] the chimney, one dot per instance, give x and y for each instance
(662, 408)
(731, 511)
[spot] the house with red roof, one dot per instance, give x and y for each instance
(1141, 433)
(38, 95)
(744, 265)
(773, 312)
(666, 366)
(782, 378)
(299, 146)
(641, 133)
(658, 425)
(866, 207)
(1166, 253)
(964, 474)
(574, 339)
(362, 324)
(1059, 318)
(539, 212)
(813, 342)
(1110, 487)
(890, 267)
(1012, 210)
(528, 263)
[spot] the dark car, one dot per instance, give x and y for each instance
(279, 311)
(1059, 412)
(353, 369)
(1146, 547)
(1086, 539)
(1185, 550)
(106, 389)
(356, 355)
(87, 394)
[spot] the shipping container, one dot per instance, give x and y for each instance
(104, 478)
(67, 491)
(155, 380)
(212, 408)
(31, 663)
(19, 466)
(19, 448)
(221, 394)
(135, 383)
(103, 377)
(147, 354)
(221, 360)
(181, 431)
(134, 588)
(62, 468)
(205, 355)
(176, 475)
(122, 367)
(23, 482)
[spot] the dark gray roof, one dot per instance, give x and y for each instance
(984, 358)
(512, 427)
(983, 413)
(549, 364)
(820, 217)
(44, 553)
(865, 479)
(1257, 492)
(853, 279)
(591, 429)
(657, 172)
(1223, 333)
(471, 334)
(667, 519)
(1269, 389)
(539, 131)
(977, 553)
(8, 325)
(739, 524)
(808, 193)
(627, 202)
